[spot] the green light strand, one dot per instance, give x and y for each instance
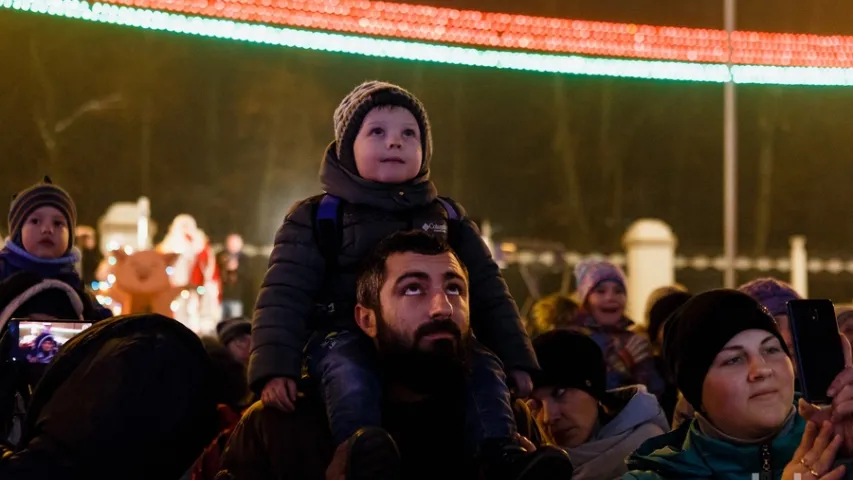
(416, 51)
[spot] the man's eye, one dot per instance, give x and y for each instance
(454, 290)
(412, 290)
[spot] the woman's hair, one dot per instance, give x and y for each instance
(554, 311)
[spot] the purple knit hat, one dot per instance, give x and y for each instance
(771, 293)
(590, 273)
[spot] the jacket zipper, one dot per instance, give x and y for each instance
(766, 469)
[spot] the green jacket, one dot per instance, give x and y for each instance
(687, 453)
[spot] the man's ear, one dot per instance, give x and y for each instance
(366, 320)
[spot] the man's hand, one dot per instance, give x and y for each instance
(280, 393)
(521, 382)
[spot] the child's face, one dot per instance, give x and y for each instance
(45, 233)
(606, 303)
(388, 146)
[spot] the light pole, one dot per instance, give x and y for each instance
(729, 157)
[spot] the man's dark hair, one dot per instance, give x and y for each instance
(372, 274)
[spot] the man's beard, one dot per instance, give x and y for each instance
(440, 370)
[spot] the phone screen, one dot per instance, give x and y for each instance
(817, 345)
(40, 342)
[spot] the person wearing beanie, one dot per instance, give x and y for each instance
(603, 296)
(236, 335)
(41, 234)
(731, 363)
(774, 295)
(376, 176)
(598, 428)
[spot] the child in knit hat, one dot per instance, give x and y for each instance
(602, 293)
(41, 234)
(378, 168)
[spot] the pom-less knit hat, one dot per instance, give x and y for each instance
(590, 273)
(699, 330)
(41, 195)
(771, 293)
(229, 330)
(569, 359)
(358, 103)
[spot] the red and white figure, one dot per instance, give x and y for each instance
(199, 307)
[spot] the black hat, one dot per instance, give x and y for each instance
(360, 101)
(697, 331)
(230, 330)
(570, 359)
(40, 195)
(26, 293)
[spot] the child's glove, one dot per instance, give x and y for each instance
(638, 348)
(280, 393)
(520, 383)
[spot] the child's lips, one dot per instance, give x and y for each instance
(393, 160)
(46, 242)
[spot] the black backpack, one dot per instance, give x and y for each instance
(131, 397)
(328, 232)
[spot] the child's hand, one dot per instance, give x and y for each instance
(280, 393)
(520, 383)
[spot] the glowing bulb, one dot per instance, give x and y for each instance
(111, 278)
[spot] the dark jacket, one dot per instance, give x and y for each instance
(296, 279)
(14, 259)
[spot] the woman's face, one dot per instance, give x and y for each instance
(568, 415)
(749, 389)
(606, 303)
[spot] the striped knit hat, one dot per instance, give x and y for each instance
(36, 196)
(358, 103)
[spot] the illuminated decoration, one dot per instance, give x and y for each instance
(398, 49)
(523, 32)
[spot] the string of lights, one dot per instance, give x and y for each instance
(522, 32)
(247, 29)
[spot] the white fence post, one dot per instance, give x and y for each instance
(799, 266)
(143, 238)
(650, 249)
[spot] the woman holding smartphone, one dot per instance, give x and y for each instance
(732, 364)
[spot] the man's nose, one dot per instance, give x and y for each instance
(440, 305)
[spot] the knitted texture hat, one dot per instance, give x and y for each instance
(771, 293)
(663, 308)
(358, 103)
(230, 330)
(41, 195)
(569, 359)
(699, 330)
(590, 273)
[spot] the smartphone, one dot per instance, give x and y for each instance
(37, 342)
(817, 347)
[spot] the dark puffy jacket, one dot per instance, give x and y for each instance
(295, 282)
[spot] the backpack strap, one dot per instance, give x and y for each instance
(453, 219)
(328, 231)
(452, 214)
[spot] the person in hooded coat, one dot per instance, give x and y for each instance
(378, 169)
(731, 362)
(598, 428)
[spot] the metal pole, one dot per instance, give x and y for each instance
(729, 158)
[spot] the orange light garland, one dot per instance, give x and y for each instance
(522, 32)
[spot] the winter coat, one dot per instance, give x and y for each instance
(636, 417)
(690, 453)
(14, 259)
(628, 355)
(297, 281)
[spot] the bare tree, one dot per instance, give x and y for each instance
(565, 145)
(52, 124)
(769, 118)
